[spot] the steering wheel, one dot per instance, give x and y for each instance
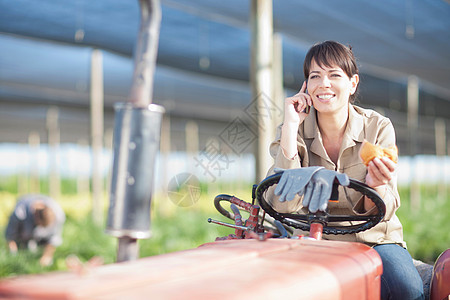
(270, 224)
(303, 221)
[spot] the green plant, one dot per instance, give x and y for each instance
(425, 223)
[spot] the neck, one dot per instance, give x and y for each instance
(332, 125)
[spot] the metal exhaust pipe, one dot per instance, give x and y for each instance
(137, 133)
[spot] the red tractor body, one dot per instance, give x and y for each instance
(233, 269)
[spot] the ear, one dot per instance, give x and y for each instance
(354, 81)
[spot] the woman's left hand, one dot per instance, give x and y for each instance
(379, 172)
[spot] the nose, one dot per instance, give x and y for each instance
(325, 82)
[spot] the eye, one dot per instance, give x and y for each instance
(313, 76)
(336, 75)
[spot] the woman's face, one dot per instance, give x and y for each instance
(330, 87)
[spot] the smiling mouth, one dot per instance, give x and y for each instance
(325, 97)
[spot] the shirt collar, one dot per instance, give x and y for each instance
(311, 131)
(355, 125)
(354, 130)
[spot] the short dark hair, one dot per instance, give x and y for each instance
(43, 215)
(331, 53)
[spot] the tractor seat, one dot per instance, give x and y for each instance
(426, 273)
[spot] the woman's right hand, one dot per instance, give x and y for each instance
(294, 107)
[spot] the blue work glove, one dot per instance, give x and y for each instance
(318, 191)
(293, 182)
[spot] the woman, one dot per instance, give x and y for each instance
(331, 135)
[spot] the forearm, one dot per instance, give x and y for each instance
(293, 117)
(368, 204)
(49, 250)
(288, 140)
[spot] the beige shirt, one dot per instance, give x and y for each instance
(363, 124)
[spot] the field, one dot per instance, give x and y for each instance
(176, 228)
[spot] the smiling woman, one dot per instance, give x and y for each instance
(331, 136)
(330, 88)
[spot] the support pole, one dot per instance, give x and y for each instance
(22, 179)
(53, 144)
(127, 249)
(261, 72)
(165, 150)
(192, 142)
(413, 124)
(278, 81)
(413, 113)
(145, 55)
(441, 150)
(97, 116)
(162, 206)
(108, 144)
(34, 142)
(82, 179)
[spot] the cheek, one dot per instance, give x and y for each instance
(346, 88)
(310, 86)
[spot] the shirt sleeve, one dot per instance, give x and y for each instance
(56, 238)
(18, 226)
(280, 160)
(12, 229)
(386, 138)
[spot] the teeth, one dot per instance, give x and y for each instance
(325, 97)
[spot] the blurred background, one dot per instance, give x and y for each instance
(53, 140)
